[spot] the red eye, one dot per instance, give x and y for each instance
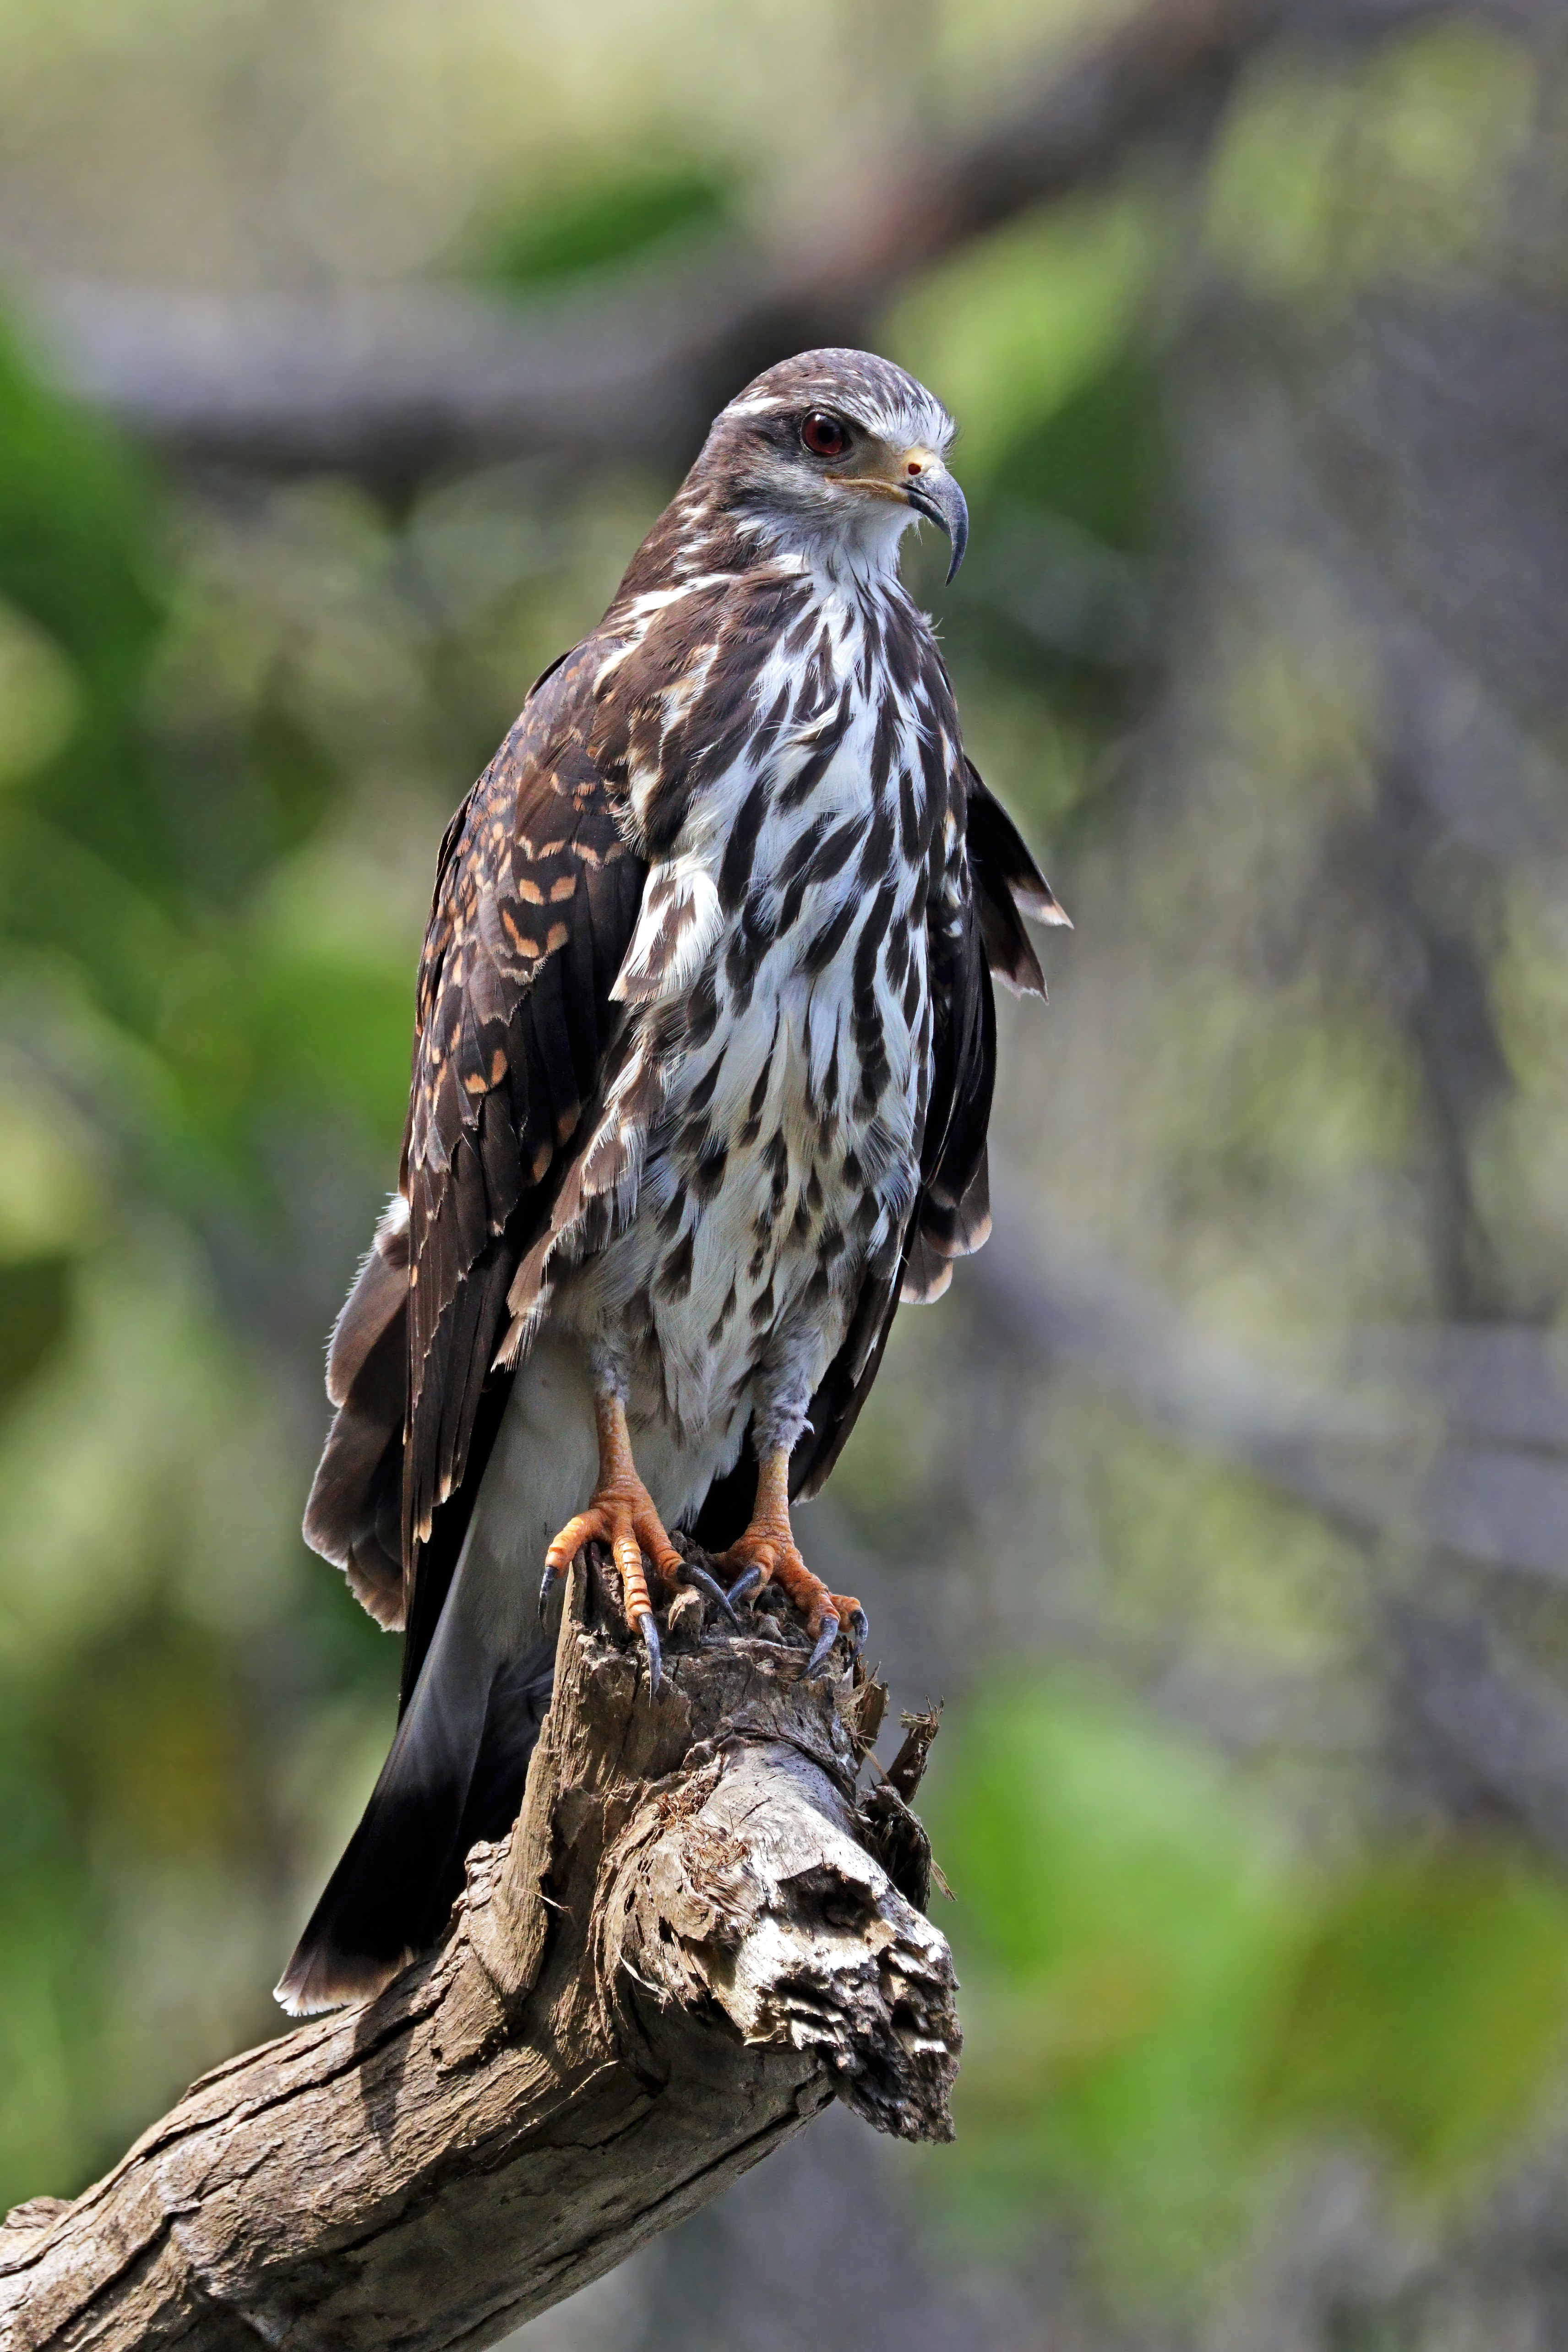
(824, 436)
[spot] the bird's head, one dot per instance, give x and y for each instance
(837, 453)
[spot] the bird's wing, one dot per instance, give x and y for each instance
(1007, 885)
(536, 901)
(354, 1516)
(974, 929)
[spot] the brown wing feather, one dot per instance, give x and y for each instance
(999, 858)
(535, 902)
(354, 1516)
(1008, 885)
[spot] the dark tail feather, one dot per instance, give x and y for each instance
(520, 1700)
(455, 1774)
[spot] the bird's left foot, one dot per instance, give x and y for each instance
(767, 1553)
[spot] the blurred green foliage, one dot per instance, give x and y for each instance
(233, 729)
(652, 204)
(35, 1296)
(1162, 1996)
(1428, 2003)
(1115, 1922)
(1330, 180)
(1025, 317)
(156, 1029)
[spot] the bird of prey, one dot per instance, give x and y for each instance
(702, 1067)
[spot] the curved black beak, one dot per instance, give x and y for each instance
(938, 497)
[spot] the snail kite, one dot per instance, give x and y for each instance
(702, 1066)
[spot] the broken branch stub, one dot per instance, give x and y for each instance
(688, 1945)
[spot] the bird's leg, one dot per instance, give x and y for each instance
(768, 1551)
(621, 1514)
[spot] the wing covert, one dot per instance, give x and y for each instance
(535, 902)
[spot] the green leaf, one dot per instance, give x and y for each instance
(1101, 458)
(40, 696)
(1329, 177)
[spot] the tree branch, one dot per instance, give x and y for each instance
(389, 384)
(691, 1941)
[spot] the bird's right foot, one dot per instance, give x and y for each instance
(621, 1514)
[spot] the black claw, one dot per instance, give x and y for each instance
(546, 1583)
(825, 1641)
(747, 1581)
(859, 1629)
(649, 1632)
(692, 1574)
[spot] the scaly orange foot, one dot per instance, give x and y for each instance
(621, 1514)
(768, 1552)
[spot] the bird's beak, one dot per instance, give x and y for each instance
(933, 492)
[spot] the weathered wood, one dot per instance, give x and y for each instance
(687, 1946)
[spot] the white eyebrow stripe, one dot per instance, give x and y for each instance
(870, 391)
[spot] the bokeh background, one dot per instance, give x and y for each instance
(346, 351)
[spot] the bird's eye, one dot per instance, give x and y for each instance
(824, 436)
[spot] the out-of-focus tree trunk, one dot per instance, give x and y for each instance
(391, 385)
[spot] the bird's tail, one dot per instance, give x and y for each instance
(455, 1774)
(457, 1764)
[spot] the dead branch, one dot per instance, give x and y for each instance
(693, 1941)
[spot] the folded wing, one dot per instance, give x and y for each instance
(536, 899)
(975, 930)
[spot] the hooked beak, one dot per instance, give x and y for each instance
(934, 494)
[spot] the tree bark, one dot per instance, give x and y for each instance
(696, 1936)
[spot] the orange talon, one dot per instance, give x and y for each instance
(621, 1514)
(768, 1551)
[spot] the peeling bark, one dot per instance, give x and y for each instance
(693, 1939)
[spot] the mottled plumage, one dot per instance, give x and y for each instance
(703, 1064)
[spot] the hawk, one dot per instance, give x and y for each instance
(702, 1066)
